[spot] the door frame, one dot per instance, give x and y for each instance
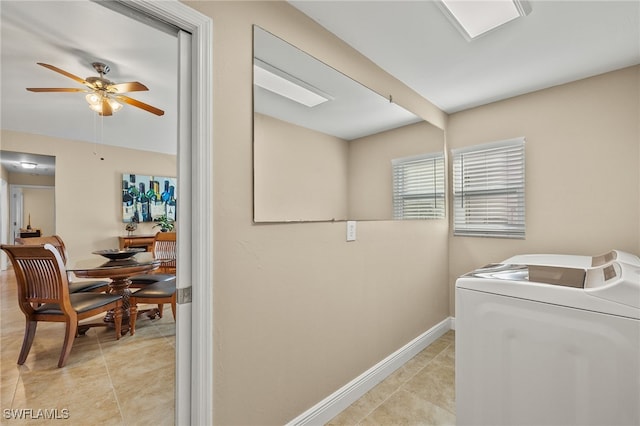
(5, 221)
(16, 205)
(194, 330)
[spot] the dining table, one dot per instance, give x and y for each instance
(118, 266)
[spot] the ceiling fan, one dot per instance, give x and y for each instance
(103, 95)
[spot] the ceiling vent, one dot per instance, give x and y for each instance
(476, 18)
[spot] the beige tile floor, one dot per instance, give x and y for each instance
(105, 381)
(421, 392)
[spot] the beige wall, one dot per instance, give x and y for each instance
(582, 168)
(300, 174)
(88, 191)
(39, 209)
(27, 179)
(298, 311)
(370, 171)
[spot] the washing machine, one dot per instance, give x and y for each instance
(575, 261)
(548, 345)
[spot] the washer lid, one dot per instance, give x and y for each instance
(575, 261)
(516, 281)
(554, 275)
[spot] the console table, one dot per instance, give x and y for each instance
(29, 233)
(137, 241)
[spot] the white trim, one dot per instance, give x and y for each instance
(5, 215)
(195, 372)
(332, 405)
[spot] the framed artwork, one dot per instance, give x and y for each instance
(147, 198)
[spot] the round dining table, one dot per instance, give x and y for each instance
(119, 271)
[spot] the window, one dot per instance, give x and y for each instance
(488, 190)
(418, 187)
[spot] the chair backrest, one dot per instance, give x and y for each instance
(54, 240)
(164, 249)
(40, 275)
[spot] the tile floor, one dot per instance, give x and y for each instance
(105, 382)
(421, 392)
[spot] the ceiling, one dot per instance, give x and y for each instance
(71, 35)
(558, 42)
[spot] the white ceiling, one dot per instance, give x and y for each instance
(71, 35)
(560, 41)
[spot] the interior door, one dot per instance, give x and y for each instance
(4, 221)
(17, 208)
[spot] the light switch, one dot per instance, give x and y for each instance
(351, 230)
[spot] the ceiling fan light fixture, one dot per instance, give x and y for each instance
(115, 105)
(95, 103)
(93, 99)
(101, 91)
(476, 18)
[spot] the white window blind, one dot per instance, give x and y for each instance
(418, 187)
(488, 190)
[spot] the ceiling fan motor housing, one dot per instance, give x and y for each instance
(102, 69)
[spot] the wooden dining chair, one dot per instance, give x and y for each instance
(74, 285)
(43, 295)
(164, 249)
(158, 293)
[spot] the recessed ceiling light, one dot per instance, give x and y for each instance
(28, 165)
(474, 18)
(283, 84)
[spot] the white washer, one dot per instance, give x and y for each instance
(575, 261)
(541, 345)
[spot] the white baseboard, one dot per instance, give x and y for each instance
(332, 405)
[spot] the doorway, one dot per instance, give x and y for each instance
(194, 333)
(32, 208)
(194, 347)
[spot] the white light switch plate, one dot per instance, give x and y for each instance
(351, 230)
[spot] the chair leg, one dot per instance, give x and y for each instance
(160, 309)
(69, 335)
(173, 307)
(133, 315)
(117, 319)
(29, 334)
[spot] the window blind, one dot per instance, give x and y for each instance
(418, 187)
(488, 190)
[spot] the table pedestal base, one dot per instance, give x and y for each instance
(120, 286)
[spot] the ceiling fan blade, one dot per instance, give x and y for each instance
(54, 89)
(106, 107)
(139, 104)
(66, 74)
(132, 86)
